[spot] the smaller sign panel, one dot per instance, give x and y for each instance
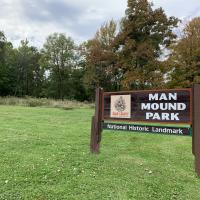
(166, 130)
(120, 106)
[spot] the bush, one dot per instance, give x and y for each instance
(44, 102)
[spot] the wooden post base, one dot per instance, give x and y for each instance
(94, 142)
(96, 123)
(197, 165)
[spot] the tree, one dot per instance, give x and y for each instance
(101, 59)
(2, 63)
(185, 56)
(59, 59)
(28, 71)
(2, 47)
(6, 70)
(144, 33)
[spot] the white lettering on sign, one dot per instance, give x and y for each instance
(155, 108)
(163, 106)
(167, 130)
(162, 96)
(162, 116)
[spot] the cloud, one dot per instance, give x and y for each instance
(55, 11)
(177, 8)
(36, 19)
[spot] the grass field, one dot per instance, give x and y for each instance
(44, 155)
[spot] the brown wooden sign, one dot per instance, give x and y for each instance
(172, 112)
(166, 106)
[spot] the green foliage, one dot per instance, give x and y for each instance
(45, 155)
(29, 73)
(2, 47)
(59, 54)
(57, 71)
(4, 72)
(78, 91)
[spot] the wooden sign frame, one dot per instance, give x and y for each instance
(107, 94)
(98, 119)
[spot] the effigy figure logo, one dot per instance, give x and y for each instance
(120, 104)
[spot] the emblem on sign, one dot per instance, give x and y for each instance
(120, 106)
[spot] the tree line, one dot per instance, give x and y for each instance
(144, 50)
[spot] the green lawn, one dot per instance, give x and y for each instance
(44, 154)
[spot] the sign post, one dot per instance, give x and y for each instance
(196, 127)
(172, 112)
(96, 122)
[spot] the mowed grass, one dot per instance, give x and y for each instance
(44, 154)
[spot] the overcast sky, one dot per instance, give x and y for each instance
(36, 19)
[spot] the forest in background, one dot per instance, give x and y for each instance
(145, 50)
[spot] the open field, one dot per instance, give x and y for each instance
(44, 155)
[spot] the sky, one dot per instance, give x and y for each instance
(79, 19)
